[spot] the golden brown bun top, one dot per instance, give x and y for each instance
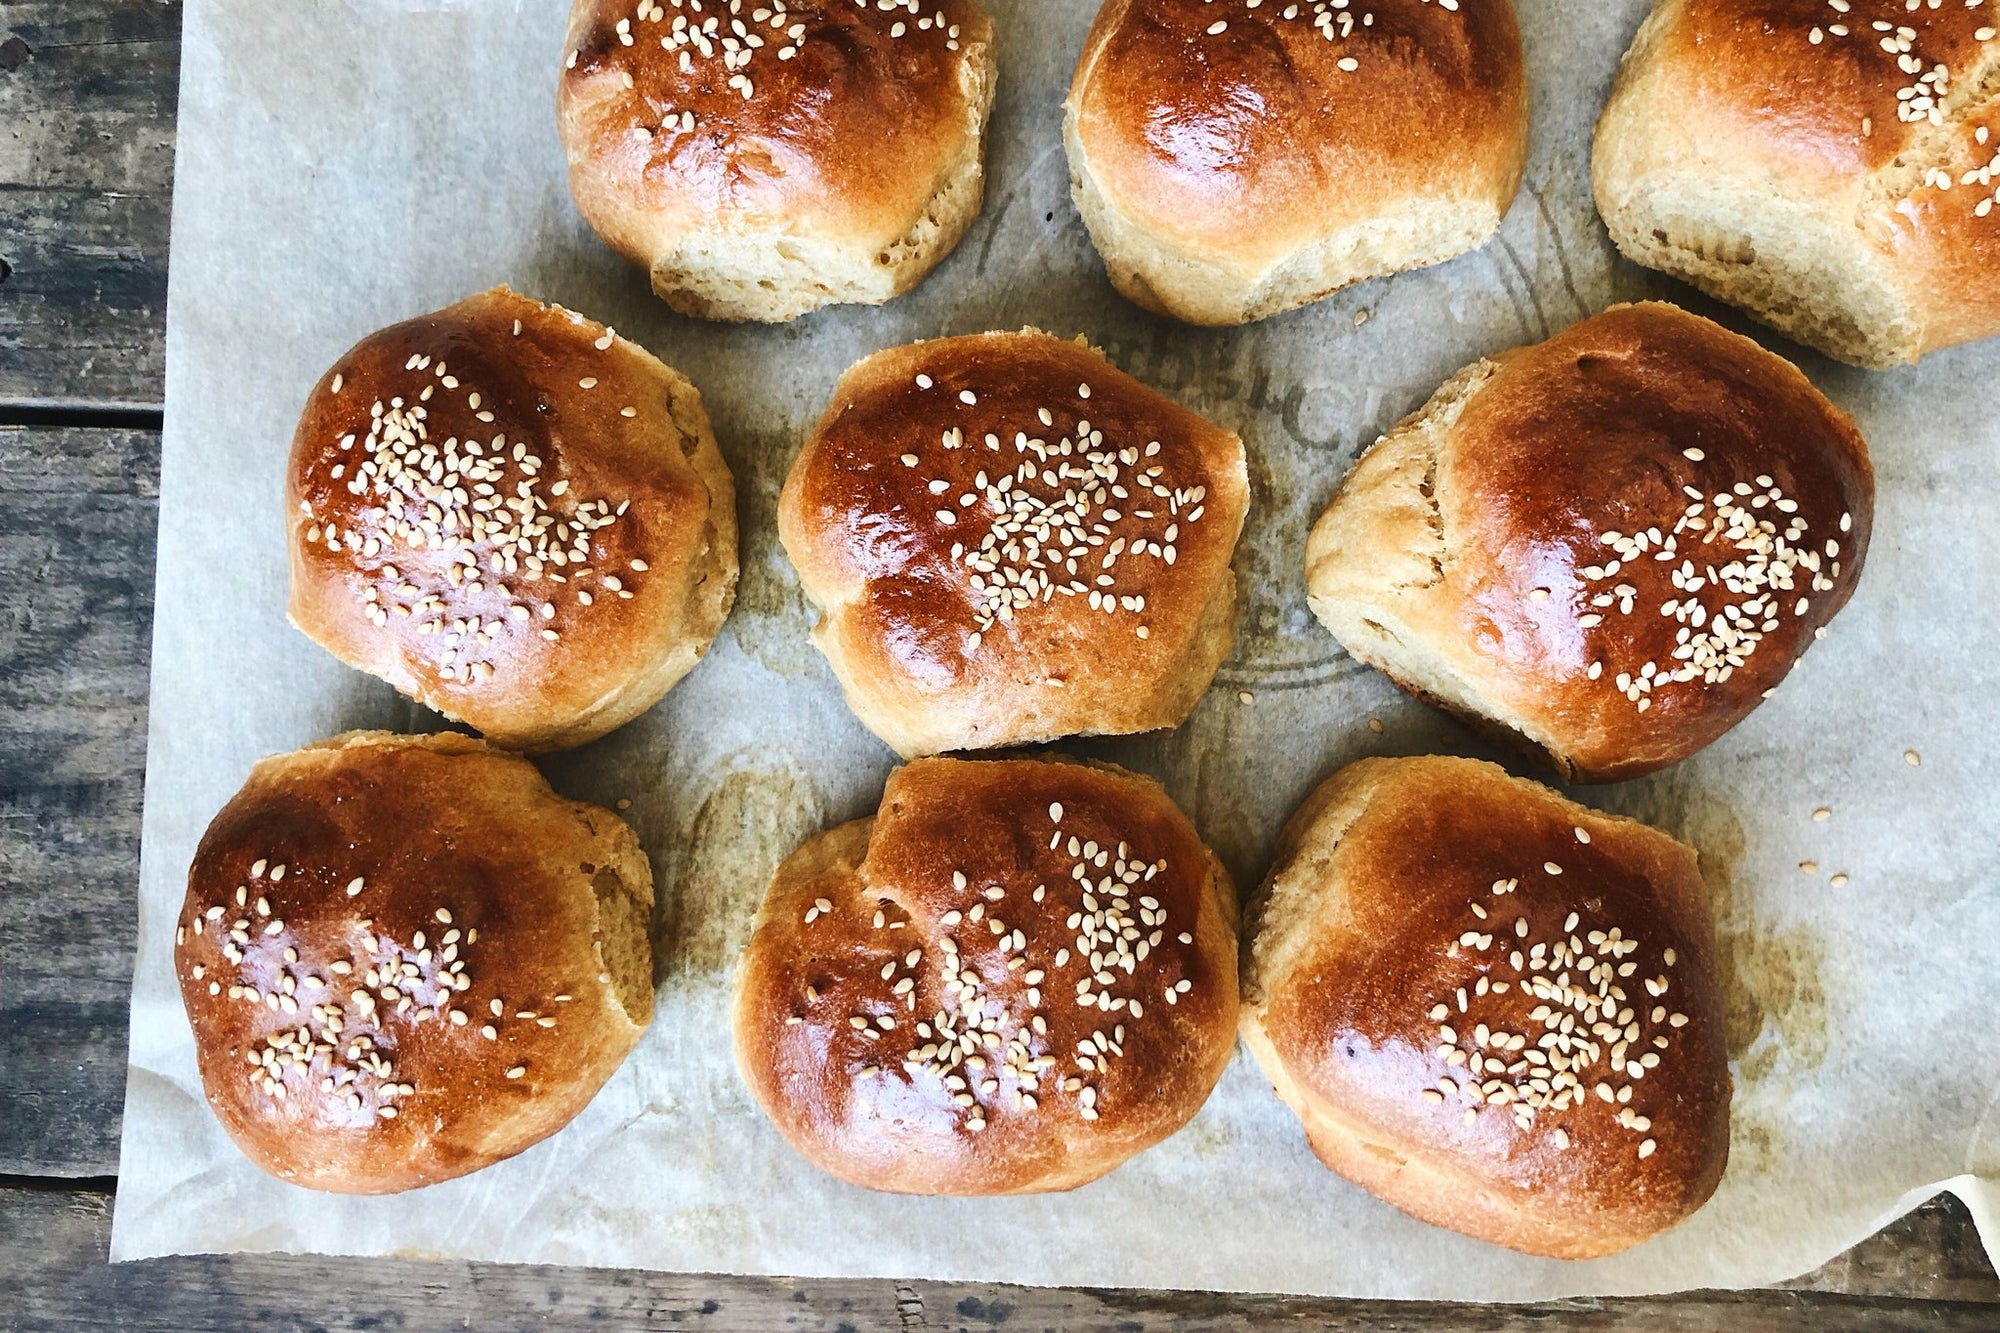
(1863, 113)
(1627, 483)
(419, 918)
(1286, 128)
(1785, 74)
(853, 111)
(877, 971)
(1006, 509)
(498, 430)
(1377, 1008)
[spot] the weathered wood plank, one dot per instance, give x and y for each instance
(52, 1276)
(77, 514)
(87, 101)
(1933, 1254)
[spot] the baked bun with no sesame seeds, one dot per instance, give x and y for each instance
(763, 158)
(404, 958)
(1610, 546)
(1234, 159)
(1013, 977)
(1492, 1007)
(1012, 541)
(1833, 169)
(515, 517)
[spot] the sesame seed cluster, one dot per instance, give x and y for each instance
(989, 1048)
(464, 538)
(1927, 96)
(1335, 20)
(728, 40)
(1983, 179)
(1061, 508)
(352, 1011)
(1589, 1033)
(1734, 575)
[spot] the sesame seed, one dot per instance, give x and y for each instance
(1750, 542)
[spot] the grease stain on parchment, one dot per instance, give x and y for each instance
(1774, 1003)
(1208, 1137)
(772, 619)
(707, 1228)
(759, 812)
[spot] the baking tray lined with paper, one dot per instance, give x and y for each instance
(412, 160)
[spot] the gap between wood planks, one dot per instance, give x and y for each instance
(82, 418)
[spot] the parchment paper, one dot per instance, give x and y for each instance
(345, 165)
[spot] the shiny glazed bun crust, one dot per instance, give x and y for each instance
(404, 958)
(1234, 159)
(514, 517)
(1610, 545)
(1492, 1007)
(1011, 541)
(1012, 978)
(763, 158)
(1833, 171)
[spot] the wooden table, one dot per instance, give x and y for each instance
(87, 93)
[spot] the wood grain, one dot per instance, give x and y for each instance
(77, 513)
(52, 1276)
(87, 97)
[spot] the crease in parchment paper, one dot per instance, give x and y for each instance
(412, 159)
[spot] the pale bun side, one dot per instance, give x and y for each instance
(1609, 546)
(901, 1040)
(1372, 148)
(1492, 1007)
(514, 516)
(839, 160)
(405, 958)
